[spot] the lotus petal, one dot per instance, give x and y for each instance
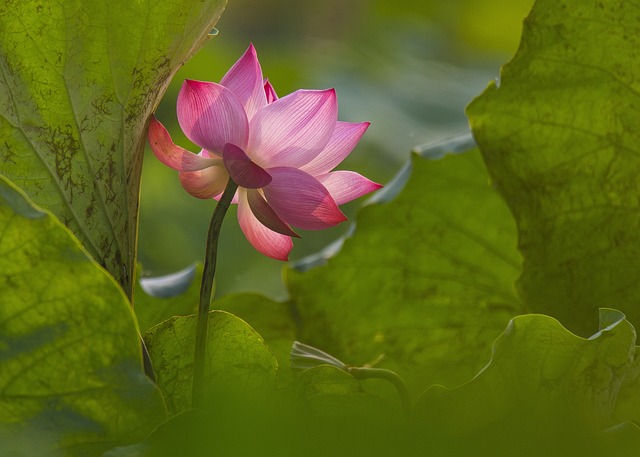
(211, 116)
(294, 129)
(300, 200)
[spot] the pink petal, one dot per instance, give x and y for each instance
(345, 137)
(270, 92)
(206, 183)
(294, 129)
(266, 215)
(242, 170)
(345, 186)
(174, 156)
(244, 79)
(234, 200)
(211, 116)
(300, 200)
(266, 241)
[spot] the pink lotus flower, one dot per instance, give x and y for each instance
(280, 152)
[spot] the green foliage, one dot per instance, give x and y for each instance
(561, 141)
(71, 377)
(238, 361)
(545, 388)
(274, 321)
(422, 286)
(425, 284)
(79, 81)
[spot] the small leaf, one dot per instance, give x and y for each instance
(273, 320)
(237, 358)
(71, 378)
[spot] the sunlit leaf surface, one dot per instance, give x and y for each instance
(542, 382)
(424, 286)
(78, 80)
(238, 361)
(71, 377)
(561, 140)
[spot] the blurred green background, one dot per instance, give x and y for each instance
(408, 67)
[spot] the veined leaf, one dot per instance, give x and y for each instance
(78, 82)
(71, 382)
(423, 286)
(238, 361)
(274, 321)
(560, 138)
(546, 391)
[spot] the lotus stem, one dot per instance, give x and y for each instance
(202, 325)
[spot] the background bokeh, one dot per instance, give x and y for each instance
(407, 67)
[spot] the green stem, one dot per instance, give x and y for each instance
(208, 274)
(392, 377)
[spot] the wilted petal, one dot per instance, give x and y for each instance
(300, 200)
(266, 241)
(345, 137)
(172, 155)
(211, 116)
(207, 183)
(242, 170)
(294, 129)
(345, 186)
(266, 215)
(270, 92)
(245, 80)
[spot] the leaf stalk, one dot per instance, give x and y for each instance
(392, 377)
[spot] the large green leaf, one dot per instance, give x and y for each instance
(78, 82)
(71, 378)
(560, 137)
(238, 361)
(546, 391)
(423, 287)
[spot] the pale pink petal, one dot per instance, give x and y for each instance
(266, 241)
(270, 92)
(266, 215)
(345, 186)
(213, 155)
(300, 200)
(234, 200)
(211, 116)
(244, 79)
(345, 137)
(294, 129)
(206, 183)
(172, 155)
(242, 170)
